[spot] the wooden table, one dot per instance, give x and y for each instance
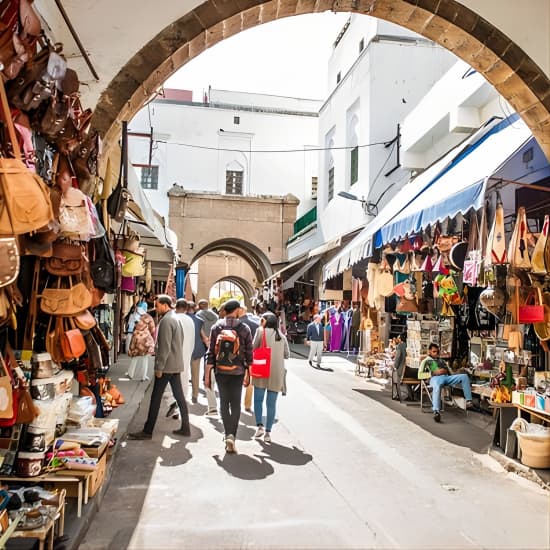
(54, 479)
(47, 531)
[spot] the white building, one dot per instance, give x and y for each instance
(232, 142)
(379, 72)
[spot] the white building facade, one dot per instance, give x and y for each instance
(231, 143)
(379, 73)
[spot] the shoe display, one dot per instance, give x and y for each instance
(437, 416)
(171, 409)
(140, 436)
(230, 444)
(260, 431)
(182, 431)
(267, 437)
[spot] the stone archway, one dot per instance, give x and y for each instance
(447, 22)
(249, 252)
(243, 284)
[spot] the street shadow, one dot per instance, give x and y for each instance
(285, 455)
(454, 427)
(178, 453)
(245, 467)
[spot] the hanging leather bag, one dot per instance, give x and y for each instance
(65, 302)
(518, 254)
(102, 268)
(120, 197)
(9, 261)
(6, 392)
(73, 344)
(66, 259)
(531, 311)
(85, 320)
(25, 204)
(538, 261)
(134, 264)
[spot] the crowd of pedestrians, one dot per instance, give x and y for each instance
(189, 336)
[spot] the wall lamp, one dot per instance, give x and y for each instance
(369, 208)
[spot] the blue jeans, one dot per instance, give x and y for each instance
(259, 394)
(437, 382)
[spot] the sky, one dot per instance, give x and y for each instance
(286, 57)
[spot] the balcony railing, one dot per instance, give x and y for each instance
(307, 219)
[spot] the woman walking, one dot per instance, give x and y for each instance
(276, 382)
(142, 344)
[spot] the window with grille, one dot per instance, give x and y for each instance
(354, 165)
(236, 120)
(234, 182)
(149, 177)
(314, 187)
(331, 183)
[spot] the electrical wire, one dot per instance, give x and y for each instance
(382, 168)
(270, 150)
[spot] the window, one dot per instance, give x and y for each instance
(354, 165)
(361, 45)
(314, 187)
(236, 120)
(234, 182)
(149, 177)
(338, 77)
(331, 183)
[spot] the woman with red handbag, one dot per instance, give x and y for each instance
(268, 335)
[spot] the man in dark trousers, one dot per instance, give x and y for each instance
(229, 354)
(315, 340)
(168, 368)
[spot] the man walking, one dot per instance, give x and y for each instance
(188, 345)
(229, 355)
(315, 340)
(207, 316)
(169, 364)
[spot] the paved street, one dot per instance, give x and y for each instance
(343, 471)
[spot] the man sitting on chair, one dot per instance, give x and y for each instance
(441, 376)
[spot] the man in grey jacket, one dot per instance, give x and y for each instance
(169, 364)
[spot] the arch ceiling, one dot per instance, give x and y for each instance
(120, 80)
(243, 284)
(257, 260)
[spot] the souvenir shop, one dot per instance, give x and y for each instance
(64, 244)
(471, 274)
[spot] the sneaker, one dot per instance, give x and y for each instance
(267, 437)
(230, 444)
(437, 416)
(259, 432)
(212, 412)
(171, 409)
(140, 436)
(470, 405)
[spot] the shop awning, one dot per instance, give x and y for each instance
(453, 184)
(289, 283)
(325, 247)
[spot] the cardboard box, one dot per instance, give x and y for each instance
(98, 476)
(95, 452)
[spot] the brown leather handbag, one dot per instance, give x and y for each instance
(66, 259)
(65, 302)
(26, 204)
(85, 320)
(53, 339)
(72, 341)
(9, 261)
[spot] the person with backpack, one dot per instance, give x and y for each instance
(276, 382)
(229, 355)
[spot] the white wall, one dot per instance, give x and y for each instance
(384, 84)
(189, 139)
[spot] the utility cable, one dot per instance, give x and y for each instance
(309, 149)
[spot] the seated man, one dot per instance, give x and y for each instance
(441, 376)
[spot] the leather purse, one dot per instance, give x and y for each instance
(74, 217)
(539, 260)
(53, 339)
(26, 200)
(73, 344)
(518, 253)
(9, 264)
(6, 391)
(134, 265)
(66, 259)
(66, 302)
(407, 305)
(531, 311)
(85, 320)
(102, 267)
